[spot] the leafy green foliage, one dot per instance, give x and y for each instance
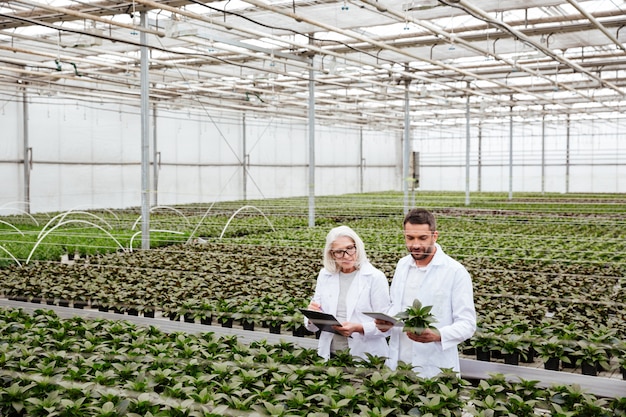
(417, 317)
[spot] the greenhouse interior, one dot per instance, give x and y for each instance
(173, 172)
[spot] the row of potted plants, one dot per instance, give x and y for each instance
(78, 367)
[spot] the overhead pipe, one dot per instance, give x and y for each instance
(87, 16)
(597, 24)
(522, 37)
(458, 40)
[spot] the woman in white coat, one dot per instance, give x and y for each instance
(347, 286)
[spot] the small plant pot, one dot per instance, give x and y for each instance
(189, 318)
(589, 368)
(496, 354)
(248, 325)
(118, 310)
(227, 322)
(275, 329)
(552, 364)
(530, 356)
(64, 303)
(469, 351)
(173, 316)
(207, 320)
(79, 304)
(298, 331)
(133, 312)
(572, 363)
(483, 355)
(103, 308)
(623, 369)
(148, 313)
(511, 358)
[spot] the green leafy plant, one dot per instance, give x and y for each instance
(417, 318)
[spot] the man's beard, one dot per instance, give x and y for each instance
(421, 255)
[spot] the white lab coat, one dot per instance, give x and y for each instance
(447, 286)
(369, 291)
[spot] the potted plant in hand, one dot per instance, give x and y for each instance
(417, 318)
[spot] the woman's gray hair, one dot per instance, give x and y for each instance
(329, 261)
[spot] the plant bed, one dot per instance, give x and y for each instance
(231, 377)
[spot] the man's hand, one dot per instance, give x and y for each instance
(383, 325)
(427, 336)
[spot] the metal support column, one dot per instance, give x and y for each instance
(479, 175)
(511, 152)
(311, 120)
(27, 151)
(406, 145)
(467, 149)
(244, 146)
(567, 155)
(362, 161)
(145, 138)
(155, 158)
(543, 151)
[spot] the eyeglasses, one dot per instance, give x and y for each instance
(340, 253)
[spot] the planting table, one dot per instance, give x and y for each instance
(470, 369)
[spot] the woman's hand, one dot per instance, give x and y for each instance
(346, 329)
(314, 306)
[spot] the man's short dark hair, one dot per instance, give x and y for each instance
(421, 216)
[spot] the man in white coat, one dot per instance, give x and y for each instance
(437, 280)
(347, 286)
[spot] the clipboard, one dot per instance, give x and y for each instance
(323, 321)
(385, 317)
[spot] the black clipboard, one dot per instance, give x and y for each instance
(323, 321)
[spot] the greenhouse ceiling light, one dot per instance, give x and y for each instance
(175, 29)
(425, 4)
(420, 5)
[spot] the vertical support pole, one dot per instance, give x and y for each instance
(511, 152)
(361, 161)
(155, 157)
(543, 151)
(244, 146)
(27, 150)
(311, 120)
(567, 155)
(145, 138)
(406, 145)
(467, 148)
(480, 157)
